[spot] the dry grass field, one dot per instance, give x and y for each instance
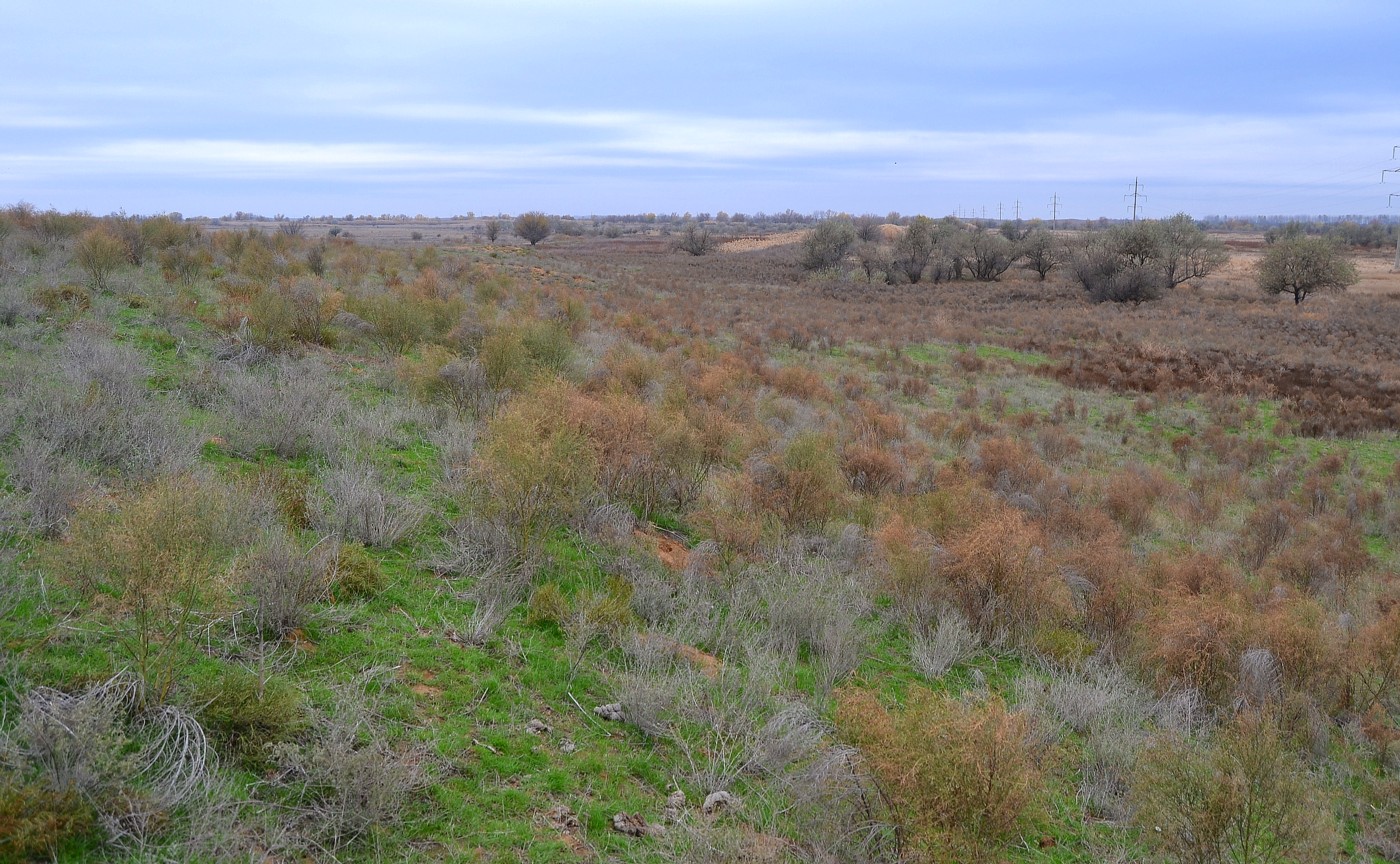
(317, 547)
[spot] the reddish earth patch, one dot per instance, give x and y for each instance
(707, 664)
(671, 553)
(297, 639)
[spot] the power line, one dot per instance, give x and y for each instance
(1393, 196)
(1135, 195)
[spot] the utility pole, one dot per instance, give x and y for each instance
(1054, 211)
(1018, 209)
(1393, 196)
(1135, 194)
(999, 216)
(1396, 268)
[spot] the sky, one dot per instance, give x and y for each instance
(441, 107)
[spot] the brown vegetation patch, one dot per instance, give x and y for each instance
(1321, 399)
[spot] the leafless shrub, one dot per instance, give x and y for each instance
(54, 483)
(1184, 711)
(654, 595)
(611, 523)
(282, 580)
(479, 549)
(290, 408)
(357, 504)
(1110, 754)
(98, 410)
(482, 623)
(725, 726)
(809, 602)
(951, 643)
(240, 349)
(15, 305)
(839, 812)
(1086, 698)
(349, 776)
(455, 443)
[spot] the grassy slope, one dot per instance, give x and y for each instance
(493, 781)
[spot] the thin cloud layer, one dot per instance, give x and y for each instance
(427, 107)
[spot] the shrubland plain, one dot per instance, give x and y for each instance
(712, 540)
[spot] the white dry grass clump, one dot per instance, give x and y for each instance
(98, 410)
(1260, 679)
(290, 407)
(358, 504)
(136, 766)
(952, 642)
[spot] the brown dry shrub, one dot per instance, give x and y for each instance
(1296, 629)
(727, 513)
(1130, 495)
(802, 484)
(799, 382)
(1374, 660)
(1193, 572)
(1323, 554)
(1266, 530)
(1000, 576)
(1010, 465)
(629, 369)
(907, 555)
(1108, 587)
(1056, 445)
(880, 423)
(1192, 640)
(621, 432)
(955, 505)
(872, 469)
(960, 777)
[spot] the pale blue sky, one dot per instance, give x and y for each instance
(1231, 107)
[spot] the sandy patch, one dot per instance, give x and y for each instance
(765, 241)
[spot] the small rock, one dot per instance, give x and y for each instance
(675, 807)
(631, 824)
(717, 801)
(567, 746)
(538, 727)
(610, 711)
(561, 818)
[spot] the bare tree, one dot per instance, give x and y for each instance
(988, 255)
(696, 239)
(1110, 276)
(828, 243)
(1043, 252)
(1186, 252)
(493, 230)
(1301, 265)
(533, 226)
(915, 249)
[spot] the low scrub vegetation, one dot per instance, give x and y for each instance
(869, 539)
